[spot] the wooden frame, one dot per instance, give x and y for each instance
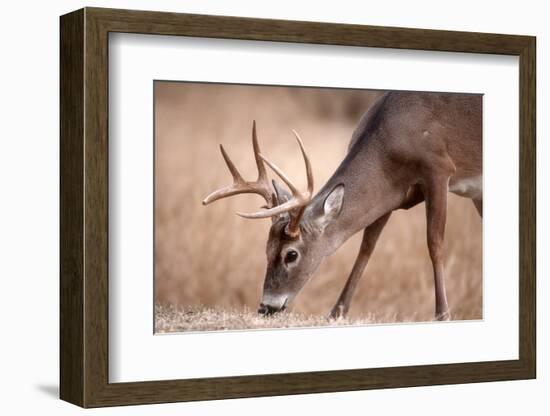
(84, 207)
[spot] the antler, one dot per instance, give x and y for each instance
(261, 186)
(295, 206)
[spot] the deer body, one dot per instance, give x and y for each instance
(408, 148)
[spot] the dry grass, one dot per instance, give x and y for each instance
(210, 258)
(173, 319)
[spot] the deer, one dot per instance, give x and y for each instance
(408, 148)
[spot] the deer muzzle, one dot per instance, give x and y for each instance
(273, 306)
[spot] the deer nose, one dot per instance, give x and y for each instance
(266, 310)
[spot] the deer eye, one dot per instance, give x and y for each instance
(291, 256)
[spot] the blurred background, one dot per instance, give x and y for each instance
(210, 257)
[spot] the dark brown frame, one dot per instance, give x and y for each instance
(84, 207)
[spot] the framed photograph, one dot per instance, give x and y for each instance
(384, 181)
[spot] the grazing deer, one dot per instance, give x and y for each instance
(409, 147)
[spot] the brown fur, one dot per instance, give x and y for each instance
(408, 148)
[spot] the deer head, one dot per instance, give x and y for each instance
(294, 246)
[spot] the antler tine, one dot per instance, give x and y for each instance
(281, 175)
(262, 173)
(223, 193)
(237, 186)
(271, 212)
(240, 186)
(309, 171)
(237, 178)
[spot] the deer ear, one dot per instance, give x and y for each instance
(281, 196)
(331, 208)
(333, 204)
(281, 193)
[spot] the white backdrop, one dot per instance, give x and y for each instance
(298, 350)
(29, 209)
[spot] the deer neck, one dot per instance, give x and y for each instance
(369, 192)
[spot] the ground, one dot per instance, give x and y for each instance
(173, 319)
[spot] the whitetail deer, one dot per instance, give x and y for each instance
(409, 147)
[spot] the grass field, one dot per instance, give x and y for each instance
(173, 319)
(210, 263)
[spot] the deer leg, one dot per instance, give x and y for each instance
(436, 212)
(370, 236)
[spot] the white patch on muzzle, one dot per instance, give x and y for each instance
(275, 302)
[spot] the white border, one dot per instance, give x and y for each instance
(136, 355)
